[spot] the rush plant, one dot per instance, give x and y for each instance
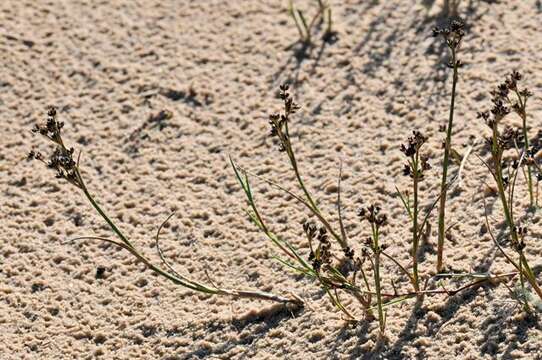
(366, 277)
(415, 168)
(505, 138)
(62, 162)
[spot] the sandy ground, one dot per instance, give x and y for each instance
(216, 65)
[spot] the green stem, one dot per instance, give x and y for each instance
(312, 204)
(443, 187)
(522, 282)
(179, 280)
(376, 248)
(524, 267)
(293, 161)
(523, 116)
(415, 237)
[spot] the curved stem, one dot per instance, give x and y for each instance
(179, 280)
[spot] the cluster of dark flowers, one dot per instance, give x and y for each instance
(372, 215)
(520, 244)
(410, 150)
(534, 149)
(322, 254)
(278, 121)
(502, 104)
(61, 160)
(452, 34)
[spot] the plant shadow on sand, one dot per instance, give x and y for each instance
(494, 328)
(258, 324)
(300, 52)
(409, 333)
(435, 82)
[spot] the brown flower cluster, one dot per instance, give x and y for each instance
(278, 121)
(502, 102)
(418, 162)
(61, 160)
(372, 215)
(321, 255)
(453, 33)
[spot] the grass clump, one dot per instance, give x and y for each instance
(347, 272)
(305, 28)
(338, 265)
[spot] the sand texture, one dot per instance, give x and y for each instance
(111, 66)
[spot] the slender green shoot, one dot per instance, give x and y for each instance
(453, 34)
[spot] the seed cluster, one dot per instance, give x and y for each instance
(278, 121)
(452, 34)
(415, 168)
(372, 215)
(502, 103)
(322, 254)
(61, 160)
(520, 244)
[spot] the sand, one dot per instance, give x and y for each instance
(110, 66)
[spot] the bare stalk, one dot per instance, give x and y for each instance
(453, 35)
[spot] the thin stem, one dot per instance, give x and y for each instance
(523, 267)
(293, 161)
(403, 269)
(415, 237)
(523, 116)
(298, 198)
(443, 187)
(341, 223)
(522, 282)
(376, 249)
(179, 280)
(292, 11)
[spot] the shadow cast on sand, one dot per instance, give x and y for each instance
(258, 324)
(300, 52)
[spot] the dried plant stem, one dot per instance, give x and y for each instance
(443, 185)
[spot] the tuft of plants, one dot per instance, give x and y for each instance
(358, 272)
(365, 279)
(505, 172)
(306, 28)
(62, 162)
